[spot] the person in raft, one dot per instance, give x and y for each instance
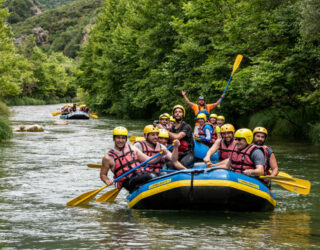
(259, 138)
(164, 121)
(224, 145)
(121, 159)
(163, 137)
(183, 132)
(207, 132)
(200, 107)
(151, 146)
(220, 120)
(213, 119)
(246, 158)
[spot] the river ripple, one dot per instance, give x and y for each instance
(40, 172)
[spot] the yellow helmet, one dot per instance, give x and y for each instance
(181, 107)
(214, 115)
(202, 116)
(172, 119)
(139, 138)
(221, 117)
(164, 116)
(227, 128)
(120, 131)
(244, 133)
(150, 129)
(260, 130)
(163, 133)
(82, 106)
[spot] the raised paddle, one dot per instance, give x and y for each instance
(110, 197)
(235, 66)
(88, 196)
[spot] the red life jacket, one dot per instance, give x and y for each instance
(201, 132)
(124, 161)
(224, 150)
(149, 151)
(267, 151)
(241, 159)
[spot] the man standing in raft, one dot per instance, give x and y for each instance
(246, 158)
(183, 132)
(151, 147)
(259, 138)
(121, 159)
(201, 107)
(224, 145)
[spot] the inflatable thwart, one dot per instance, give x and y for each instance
(203, 189)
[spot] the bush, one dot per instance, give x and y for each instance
(314, 133)
(4, 110)
(5, 129)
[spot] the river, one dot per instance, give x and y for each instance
(40, 172)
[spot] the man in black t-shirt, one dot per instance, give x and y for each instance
(183, 132)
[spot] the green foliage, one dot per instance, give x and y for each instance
(5, 130)
(66, 26)
(314, 133)
(52, 4)
(24, 100)
(19, 9)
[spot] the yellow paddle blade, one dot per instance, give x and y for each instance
(109, 196)
(55, 113)
(93, 165)
(300, 186)
(236, 63)
(283, 174)
(94, 115)
(277, 178)
(85, 198)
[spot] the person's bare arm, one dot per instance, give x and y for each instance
(273, 165)
(107, 163)
(183, 93)
(178, 136)
(174, 155)
(211, 151)
(259, 171)
(217, 102)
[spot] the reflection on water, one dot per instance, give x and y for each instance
(40, 172)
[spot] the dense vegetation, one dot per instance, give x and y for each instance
(27, 72)
(19, 9)
(66, 25)
(52, 4)
(142, 53)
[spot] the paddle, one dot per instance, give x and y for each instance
(94, 115)
(94, 165)
(289, 183)
(55, 113)
(235, 66)
(111, 196)
(88, 196)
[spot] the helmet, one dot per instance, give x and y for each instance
(82, 106)
(260, 130)
(120, 131)
(221, 117)
(163, 133)
(164, 116)
(244, 133)
(181, 107)
(214, 115)
(172, 119)
(150, 129)
(202, 116)
(227, 128)
(201, 97)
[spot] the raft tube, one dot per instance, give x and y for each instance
(200, 151)
(203, 189)
(76, 115)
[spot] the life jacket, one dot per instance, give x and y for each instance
(241, 159)
(149, 151)
(203, 110)
(201, 131)
(124, 161)
(224, 150)
(267, 151)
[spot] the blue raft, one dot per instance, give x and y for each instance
(76, 115)
(203, 189)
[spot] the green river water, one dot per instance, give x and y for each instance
(40, 172)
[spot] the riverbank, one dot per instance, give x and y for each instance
(5, 129)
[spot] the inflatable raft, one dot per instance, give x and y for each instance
(203, 189)
(200, 151)
(76, 115)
